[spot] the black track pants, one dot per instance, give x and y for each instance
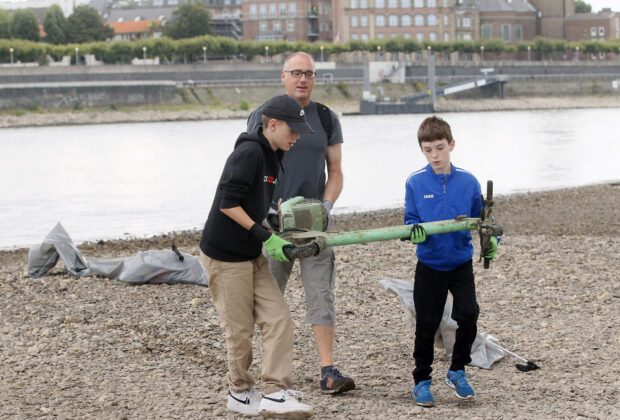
(429, 296)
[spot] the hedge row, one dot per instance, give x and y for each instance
(190, 50)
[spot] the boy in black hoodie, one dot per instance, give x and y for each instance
(243, 290)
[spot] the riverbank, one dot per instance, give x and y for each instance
(42, 118)
(98, 348)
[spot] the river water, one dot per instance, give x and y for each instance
(125, 180)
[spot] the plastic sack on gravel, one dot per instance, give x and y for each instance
(483, 352)
(153, 266)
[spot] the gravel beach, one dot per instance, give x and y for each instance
(98, 348)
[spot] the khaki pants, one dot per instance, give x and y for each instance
(244, 294)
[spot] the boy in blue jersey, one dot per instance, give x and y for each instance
(442, 191)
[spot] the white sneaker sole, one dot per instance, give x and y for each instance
(451, 385)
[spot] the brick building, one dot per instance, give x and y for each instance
(288, 20)
(551, 16)
(593, 26)
(511, 21)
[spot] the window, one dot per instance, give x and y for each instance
(419, 20)
(379, 3)
(364, 21)
(353, 21)
(445, 3)
(486, 31)
(431, 3)
(432, 36)
(282, 9)
(467, 22)
(407, 35)
(380, 35)
(364, 37)
(601, 30)
(517, 33)
(277, 26)
(353, 4)
(262, 11)
(467, 37)
(405, 20)
(419, 36)
(446, 20)
(292, 9)
(393, 20)
(262, 26)
(446, 37)
(379, 20)
(253, 11)
(363, 4)
(418, 3)
(158, 2)
(405, 4)
(593, 31)
(506, 32)
(173, 2)
(393, 4)
(392, 35)
(290, 26)
(355, 36)
(273, 10)
(432, 20)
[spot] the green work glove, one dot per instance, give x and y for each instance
(491, 252)
(274, 247)
(417, 234)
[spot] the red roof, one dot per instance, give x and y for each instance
(132, 27)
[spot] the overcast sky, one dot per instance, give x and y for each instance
(597, 5)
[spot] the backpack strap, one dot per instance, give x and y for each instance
(325, 116)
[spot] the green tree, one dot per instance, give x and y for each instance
(4, 24)
(55, 25)
(582, 7)
(23, 24)
(189, 20)
(85, 25)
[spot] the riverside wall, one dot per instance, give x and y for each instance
(235, 83)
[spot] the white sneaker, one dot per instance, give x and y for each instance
(245, 402)
(284, 404)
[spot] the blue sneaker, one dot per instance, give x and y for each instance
(458, 381)
(422, 394)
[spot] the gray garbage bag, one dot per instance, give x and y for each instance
(483, 352)
(153, 266)
(43, 257)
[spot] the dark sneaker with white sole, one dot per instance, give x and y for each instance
(334, 382)
(284, 404)
(245, 402)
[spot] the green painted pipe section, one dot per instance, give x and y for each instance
(398, 232)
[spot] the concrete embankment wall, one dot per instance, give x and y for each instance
(233, 85)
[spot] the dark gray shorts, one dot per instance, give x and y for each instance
(318, 276)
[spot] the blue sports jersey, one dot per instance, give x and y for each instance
(430, 197)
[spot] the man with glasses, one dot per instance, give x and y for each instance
(304, 175)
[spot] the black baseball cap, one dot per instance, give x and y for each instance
(287, 109)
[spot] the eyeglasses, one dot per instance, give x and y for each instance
(297, 73)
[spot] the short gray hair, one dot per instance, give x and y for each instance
(288, 59)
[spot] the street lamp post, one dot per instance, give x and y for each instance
(378, 52)
(266, 52)
(529, 51)
(577, 52)
(77, 57)
(482, 53)
(321, 53)
(204, 54)
(11, 51)
(144, 55)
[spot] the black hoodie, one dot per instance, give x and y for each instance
(248, 180)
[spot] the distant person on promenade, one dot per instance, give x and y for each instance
(243, 290)
(441, 191)
(303, 175)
